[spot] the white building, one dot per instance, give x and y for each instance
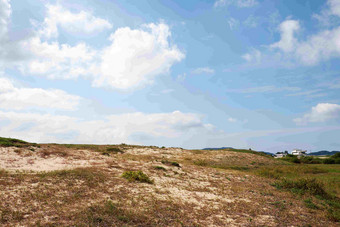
(281, 154)
(299, 152)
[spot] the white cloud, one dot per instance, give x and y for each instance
(113, 129)
(318, 47)
(133, 59)
(334, 6)
(18, 98)
(81, 22)
(5, 12)
(238, 3)
(254, 56)
(181, 77)
(263, 89)
(288, 41)
(233, 23)
(310, 94)
(136, 56)
(251, 21)
(322, 112)
(246, 3)
(203, 70)
(55, 60)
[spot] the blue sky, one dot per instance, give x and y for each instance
(257, 74)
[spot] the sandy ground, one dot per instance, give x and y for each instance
(210, 197)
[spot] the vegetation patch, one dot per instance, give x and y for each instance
(334, 159)
(309, 203)
(137, 176)
(9, 142)
(303, 185)
(112, 150)
(171, 163)
(90, 176)
(108, 214)
(160, 168)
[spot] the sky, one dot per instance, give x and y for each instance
(257, 74)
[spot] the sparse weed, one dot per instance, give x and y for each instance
(309, 203)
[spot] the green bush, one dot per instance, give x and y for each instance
(334, 159)
(291, 158)
(137, 176)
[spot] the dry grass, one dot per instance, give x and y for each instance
(208, 188)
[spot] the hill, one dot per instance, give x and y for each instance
(323, 153)
(217, 148)
(128, 185)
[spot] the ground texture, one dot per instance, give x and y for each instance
(82, 185)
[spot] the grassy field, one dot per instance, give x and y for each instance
(125, 185)
(316, 184)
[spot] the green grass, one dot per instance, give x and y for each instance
(9, 142)
(137, 176)
(303, 186)
(318, 181)
(334, 159)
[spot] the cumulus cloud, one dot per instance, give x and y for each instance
(203, 70)
(55, 60)
(112, 129)
(18, 98)
(238, 3)
(136, 56)
(288, 41)
(133, 58)
(319, 47)
(312, 50)
(81, 22)
(322, 112)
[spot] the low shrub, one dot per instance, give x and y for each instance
(9, 142)
(303, 185)
(172, 163)
(160, 168)
(137, 176)
(114, 150)
(334, 159)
